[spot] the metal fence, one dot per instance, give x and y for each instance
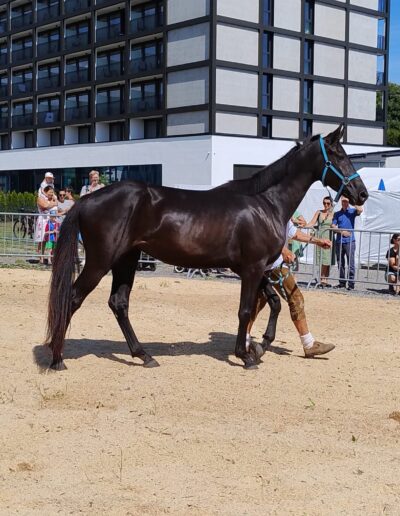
(370, 248)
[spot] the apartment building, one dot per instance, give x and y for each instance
(183, 92)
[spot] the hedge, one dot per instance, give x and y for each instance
(13, 202)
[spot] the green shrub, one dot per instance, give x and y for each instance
(13, 202)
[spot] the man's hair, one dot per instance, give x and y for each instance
(394, 237)
(47, 188)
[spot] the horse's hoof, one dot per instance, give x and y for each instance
(258, 350)
(58, 365)
(266, 344)
(151, 363)
(250, 366)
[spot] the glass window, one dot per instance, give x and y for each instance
(267, 50)
(266, 126)
(266, 92)
(308, 57)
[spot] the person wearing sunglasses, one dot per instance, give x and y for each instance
(65, 201)
(321, 222)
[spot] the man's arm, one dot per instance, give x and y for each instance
(359, 209)
(325, 243)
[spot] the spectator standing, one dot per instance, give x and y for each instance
(295, 246)
(65, 201)
(393, 265)
(344, 221)
(48, 180)
(321, 222)
(94, 183)
(44, 204)
(50, 235)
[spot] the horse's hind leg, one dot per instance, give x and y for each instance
(123, 277)
(274, 303)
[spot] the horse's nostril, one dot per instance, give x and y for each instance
(364, 195)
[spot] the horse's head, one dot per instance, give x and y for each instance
(339, 172)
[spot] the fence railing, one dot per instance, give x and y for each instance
(369, 250)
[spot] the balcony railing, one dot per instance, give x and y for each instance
(76, 113)
(146, 23)
(47, 13)
(22, 120)
(48, 117)
(4, 122)
(150, 103)
(73, 6)
(4, 90)
(109, 72)
(77, 77)
(22, 54)
(22, 20)
(44, 83)
(77, 41)
(107, 33)
(22, 88)
(109, 108)
(149, 64)
(50, 47)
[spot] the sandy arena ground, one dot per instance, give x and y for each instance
(198, 435)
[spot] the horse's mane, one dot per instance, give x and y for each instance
(269, 175)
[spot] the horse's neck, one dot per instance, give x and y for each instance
(300, 174)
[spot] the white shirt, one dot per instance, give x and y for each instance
(291, 231)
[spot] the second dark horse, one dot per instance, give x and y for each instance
(240, 225)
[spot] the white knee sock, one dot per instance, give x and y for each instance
(307, 340)
(248, 341)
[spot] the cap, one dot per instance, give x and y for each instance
(49, 174)
(53, 213)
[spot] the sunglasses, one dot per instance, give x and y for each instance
(327, 203)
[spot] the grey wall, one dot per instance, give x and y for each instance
(188, 44)
(329, 61)
(236, 88)
(237, 44)
(187, 123)
(236, 123)
(286, 53)
(330, 22)
(182, 10)
(187, 87)
(239, 9)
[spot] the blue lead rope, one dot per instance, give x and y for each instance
(329, 166)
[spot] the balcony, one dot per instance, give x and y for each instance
(19, 121)
(73, 6)
(45, 83)
(21, 21)
(48, 13)
(77, 77)
(108, 72)
(149, 64)
(74, 114)
(48, 117)
(4, 58)
(22, 88)
(77, 41)
(150, 103)
(146, 23)
(105, 109)
(23, 54)
(107, 33)
(48, 48)
(4, 122)
(3, 26)
(4, 90)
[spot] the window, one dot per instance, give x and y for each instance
(28, 139)
(307, 128)
(110, 25)
(48, 76)
(146, 96)
(309, 16)
(3, 22)
(48, 42)
(116, 131)
(4, 142)
(4, 85)
(22, 48)
(147, 57)
(267, 50)
(380, 70)
(3, 116)
(267, 12)
(380, 106)
(3, 53)
(308, 57)
(84, 134)
(22, 81)
(77, 35)
(266, 100)
(109, 64)
(307, 97)
(55, 137)
(48, 110)
(77, 105)
(109, 101)
(147, 17)
(266, 126)
(381, 43)
(77, 70)
(153, 128)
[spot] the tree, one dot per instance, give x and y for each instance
(393, 132)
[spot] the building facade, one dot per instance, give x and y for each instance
(158, 83)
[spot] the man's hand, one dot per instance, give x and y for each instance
(325, 243)
(288, 256)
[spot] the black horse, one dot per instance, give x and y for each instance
(240, 225)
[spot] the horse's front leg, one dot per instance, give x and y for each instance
(274, 303)
(250, 286)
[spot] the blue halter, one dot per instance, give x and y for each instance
(329, 166)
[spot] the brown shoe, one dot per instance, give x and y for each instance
(318, 348)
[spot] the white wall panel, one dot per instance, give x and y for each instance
(285, 128)
(286, 53)
(241, 10)
(182, 10)
(362, 104)
(330, 22)
(236, 44)
(369, 4)
(363, 29)
(236, 123)
(187, 87)
(328, 99)
(361, 134)
(236, 88)
(329, 61)
(187, 123)
(188, 44)
(286, 94)
(287, 14)
(362, 67)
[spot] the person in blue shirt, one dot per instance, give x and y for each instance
(344, 220)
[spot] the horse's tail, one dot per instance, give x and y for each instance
(62, 279)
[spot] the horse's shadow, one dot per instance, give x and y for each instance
(220, 346)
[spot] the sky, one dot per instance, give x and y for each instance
(394, 42)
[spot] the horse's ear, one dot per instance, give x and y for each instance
(336, 135)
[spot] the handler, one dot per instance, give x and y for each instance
(279, 276)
